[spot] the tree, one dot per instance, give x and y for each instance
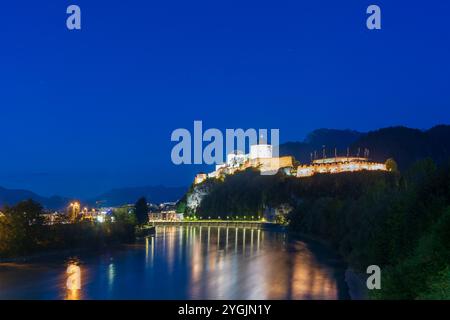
(391, 165)
(181, 207)
(124, 216)
(141, 210)
(20, 227)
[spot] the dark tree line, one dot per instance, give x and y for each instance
(23, 231)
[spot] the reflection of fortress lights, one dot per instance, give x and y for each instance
(261, 158)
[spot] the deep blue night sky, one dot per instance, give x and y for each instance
(85, 111)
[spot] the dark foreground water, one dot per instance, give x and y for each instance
(186, 263)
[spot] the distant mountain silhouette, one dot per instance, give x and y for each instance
(334, 138)
(407, 145)
(154, 194)
(12, 196)
(316, 140)
(115, 197)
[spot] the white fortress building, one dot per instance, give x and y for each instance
(260, 157)
(261, 151)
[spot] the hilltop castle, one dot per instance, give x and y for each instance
(261, 158)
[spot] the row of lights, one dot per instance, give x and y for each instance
(228, 217)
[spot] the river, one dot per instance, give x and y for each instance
(186, 263)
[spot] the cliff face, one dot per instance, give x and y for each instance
(195, 197)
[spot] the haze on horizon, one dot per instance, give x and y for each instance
(86, 111)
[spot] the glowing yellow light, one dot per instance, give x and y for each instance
(73, 283)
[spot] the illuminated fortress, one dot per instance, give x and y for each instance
(339, 164)
(261, 158)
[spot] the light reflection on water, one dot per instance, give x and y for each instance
(187, 263)
(73, 282)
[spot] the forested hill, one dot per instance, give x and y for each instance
(314, 141)
(250, 193)
(13, 196)
(407, 145)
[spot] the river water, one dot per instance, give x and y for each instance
(185, 263)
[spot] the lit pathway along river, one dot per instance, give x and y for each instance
(187, 263)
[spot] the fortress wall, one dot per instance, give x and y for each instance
(267, 164)
(309, 170)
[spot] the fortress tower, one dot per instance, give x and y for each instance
(260, 151)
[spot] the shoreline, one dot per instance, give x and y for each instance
(353, 279)
(46, 254)
(60, 252)
(356, 285)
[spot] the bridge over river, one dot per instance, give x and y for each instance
(220, 223)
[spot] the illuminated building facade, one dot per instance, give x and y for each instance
(261, 158)
(165, 212)
(339, 164)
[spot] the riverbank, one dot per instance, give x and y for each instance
(70, 239)
(356, 283)
(354, 280)
(59, 253)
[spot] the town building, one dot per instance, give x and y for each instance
(165, 212)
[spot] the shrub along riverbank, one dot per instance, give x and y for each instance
(23, 232)
(400, 222)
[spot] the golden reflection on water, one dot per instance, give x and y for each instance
(250, 262)
(73, 294)
(186, 263)
(73, 281)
